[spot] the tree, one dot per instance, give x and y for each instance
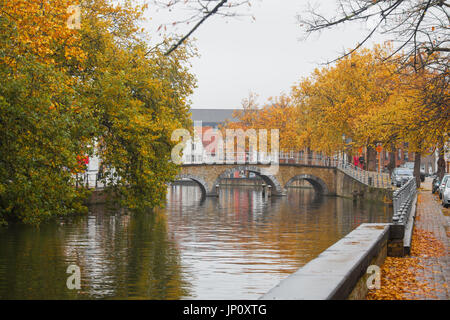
(139, 99)
(61, 90)
(364, 98)
(333, 101)
(407, 116)
(435, 101)
(277, 113)
(419, 30)
(40, 132)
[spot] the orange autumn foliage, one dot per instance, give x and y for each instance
(399, 276)
(40, 30)
(278, 113)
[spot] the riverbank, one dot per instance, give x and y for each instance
(425, 274)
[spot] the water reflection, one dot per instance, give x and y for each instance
(120, 256)
(241, 245)
(236, 246)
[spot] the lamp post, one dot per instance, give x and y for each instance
(379, 149)
(344, 154)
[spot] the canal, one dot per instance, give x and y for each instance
(237, 246)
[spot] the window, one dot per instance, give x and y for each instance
(399, 154)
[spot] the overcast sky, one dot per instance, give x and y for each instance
(266, 56)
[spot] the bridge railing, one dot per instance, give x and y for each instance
(370, 178)
(89, 180)
(94, 180)
(262, 158)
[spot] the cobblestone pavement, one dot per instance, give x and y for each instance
(433, 217)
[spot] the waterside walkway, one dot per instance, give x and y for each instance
(434, 220)
(425, 274)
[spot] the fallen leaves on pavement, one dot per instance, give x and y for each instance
(403, 278)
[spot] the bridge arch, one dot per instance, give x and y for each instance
(271, 180)
(199, 180)
(318, 184)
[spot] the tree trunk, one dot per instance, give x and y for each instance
(371, 159)
(441, 164)
(392, 154)
(440, 170)
(417, 157)
(308, 156)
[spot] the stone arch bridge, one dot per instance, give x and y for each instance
(324, 179)
(328, 178)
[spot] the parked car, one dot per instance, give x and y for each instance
(446, 194)
(442, 185)
(435, 184)
(410, 165)
(400, 176)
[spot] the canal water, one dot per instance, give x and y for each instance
(237, 246)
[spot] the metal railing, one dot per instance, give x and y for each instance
(402, 201)
(370, 178)
(93, 180)
(261, 158)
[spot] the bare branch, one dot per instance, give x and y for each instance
(201, 10)
(209, 14)
(417, 26)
